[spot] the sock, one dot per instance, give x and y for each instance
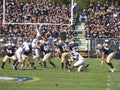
(62, 64)
(44, 63)
(67, 65)
(3, 63)
(16, 65)
(33, 65)
(52, 64)
(14, 62)
(9, 61)
(110, 64)
(22, 66)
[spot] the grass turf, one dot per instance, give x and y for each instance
(96, 77)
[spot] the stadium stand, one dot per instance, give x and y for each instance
(103, 22)
(39, 12)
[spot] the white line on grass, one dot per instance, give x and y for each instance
(108, 82)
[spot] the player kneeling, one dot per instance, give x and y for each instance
(78, 62)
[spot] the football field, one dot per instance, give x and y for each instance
(95, 77)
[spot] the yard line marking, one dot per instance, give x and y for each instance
(108, 82)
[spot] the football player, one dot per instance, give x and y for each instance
(109, 53)
(28, 56)
(10, 54)
(78, 61)
(103, 55)
(46, 53)
(36, 49)
(24, 47)
(64, 49)
(73, 46)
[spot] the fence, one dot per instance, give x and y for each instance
(114, 42)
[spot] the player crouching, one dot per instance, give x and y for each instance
(24, 47)
(78, 61)
(9, 50)
(28, 56)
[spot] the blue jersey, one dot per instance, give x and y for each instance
(73, 47)
(10, 50)
(45, 48)
(106, 50)
(62, 47)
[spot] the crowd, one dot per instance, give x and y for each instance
(44, 11)
(103, 20)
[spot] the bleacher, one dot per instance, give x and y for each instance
(80, 30)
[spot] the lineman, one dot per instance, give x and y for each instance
(46, 54)
(10, 54)
(24, 47)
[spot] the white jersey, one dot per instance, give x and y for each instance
(76, 56)
(34, 43)
(19, 52)
(35, 48)
(25, 46)
(79, 60)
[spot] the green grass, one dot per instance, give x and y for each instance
(96, 77)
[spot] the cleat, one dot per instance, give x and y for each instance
(112, 70)
(13, 67)
(68, 70)
(101, 62)
(1, 69)
(34, 68)
(44, 68)
(22, 68)
(83, 68)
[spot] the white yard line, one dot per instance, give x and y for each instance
(109, 82)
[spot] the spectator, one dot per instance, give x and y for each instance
(83, 15)
(98, 5)
(91, 5)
